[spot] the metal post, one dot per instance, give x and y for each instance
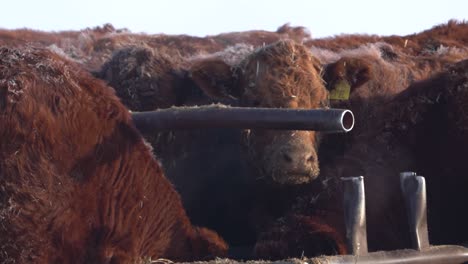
(355, 214)
(414, 193)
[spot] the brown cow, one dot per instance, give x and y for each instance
(375, 74)
(422, 129)
(283, 74)
(79, 184)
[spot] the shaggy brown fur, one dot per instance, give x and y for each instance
(301, 235)
(79, 185)
(93, 46)
(452, 34)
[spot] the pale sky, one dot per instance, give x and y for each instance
(210, 17)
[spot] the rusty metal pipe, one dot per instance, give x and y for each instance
(220, 116)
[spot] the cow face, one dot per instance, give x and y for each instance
(280, 75)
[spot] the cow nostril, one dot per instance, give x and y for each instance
(311, 158)
(287, 158)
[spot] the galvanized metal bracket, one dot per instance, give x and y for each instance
(354, 201)
(414, 193)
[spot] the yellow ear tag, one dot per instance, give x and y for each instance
(341, 91)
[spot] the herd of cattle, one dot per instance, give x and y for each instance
(80, 184)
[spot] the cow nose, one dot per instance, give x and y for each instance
(298, 159)
(310, 158)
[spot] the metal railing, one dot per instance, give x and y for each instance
(414, 193)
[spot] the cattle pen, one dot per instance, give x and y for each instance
(329, 120)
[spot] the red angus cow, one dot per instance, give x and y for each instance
(421, 129)
(283, 74)
(375, 73)
(78, 183)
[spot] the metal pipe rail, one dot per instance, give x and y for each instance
(430, 255)
(414, 192)
(221, 116)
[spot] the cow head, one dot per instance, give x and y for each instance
(355, 72)
(281, 75)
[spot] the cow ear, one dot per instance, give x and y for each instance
(216, 79)
(345, 76)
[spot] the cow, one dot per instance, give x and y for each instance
(283, 74)
(374, 74)
(280, 75)
(429, 119)
(422, 129)
(78, 182)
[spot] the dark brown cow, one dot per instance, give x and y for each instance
(78, 183)
(430, 119)
(147, 78)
